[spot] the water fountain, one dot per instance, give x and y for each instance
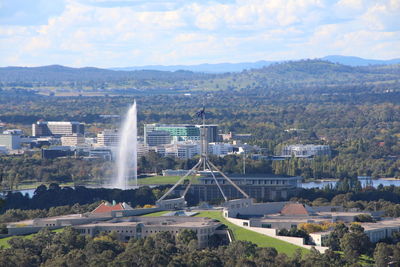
(126, 163)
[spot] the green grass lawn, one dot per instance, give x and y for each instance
(4, 241)
(161, 180)
(156, 214)
(34, 185)
(247, 235)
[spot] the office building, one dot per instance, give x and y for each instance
(73, 140)
(178, 132)
(182, 150)
(212, 132)
(10, 141)
(57, 128)
(108, 137)
(182, 132)
(260, 187)
(158, 137)
(306, 151)
(57, 152)
(102, 153)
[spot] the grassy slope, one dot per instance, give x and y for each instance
(247, 235)
(161, 180)
(155, 214)
(4, 241)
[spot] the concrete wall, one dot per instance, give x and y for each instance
(272, 233)
(135, 212)
(274, 223)
(246, 206)
(27, 230)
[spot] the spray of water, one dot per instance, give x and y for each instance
(127, 151)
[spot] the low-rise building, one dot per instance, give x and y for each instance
(261, 187)
(123, 220)
(73, 140)
(140, 227)
(305, 151)
(57, 152)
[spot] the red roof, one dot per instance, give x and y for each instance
(294, 209)
(107, 207)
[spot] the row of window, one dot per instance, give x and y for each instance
(261, 182)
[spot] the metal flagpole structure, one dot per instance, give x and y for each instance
(204, 162)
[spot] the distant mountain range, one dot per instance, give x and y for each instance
(238, 67)
(207, 68)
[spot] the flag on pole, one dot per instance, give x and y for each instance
(201, 113)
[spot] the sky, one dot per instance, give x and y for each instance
(122, 33)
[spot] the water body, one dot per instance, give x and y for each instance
(126, 163)
(364, 182)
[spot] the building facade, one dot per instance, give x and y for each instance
(108, 137)
(10, 141)
(73, 140)
(262, 188)
(306, 151)
(158, 137)
(57, 128)
(140, 227)
(182, 132)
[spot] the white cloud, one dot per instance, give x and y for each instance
(123, 33)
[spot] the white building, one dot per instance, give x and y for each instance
(184, 150)
(108, 137)
(220, 149)
(306, 151)
(73, 140)
(142, 149)
(10, 141)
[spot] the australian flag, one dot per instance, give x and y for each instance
(201, 113)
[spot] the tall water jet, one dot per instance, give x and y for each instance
(127, 150)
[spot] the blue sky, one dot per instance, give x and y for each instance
(118, 33)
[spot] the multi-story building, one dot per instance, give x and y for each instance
(140, 227)
(57, 152)
(103, 153)
(220, 149)
(178, 132)
(262, 187)
(10, 141)
(108, 137)
(73, 140)
(57, 128)
(182, 150)
(182, 132)
(158, 137)
(142, 149)
(306, 151)
(212, 132)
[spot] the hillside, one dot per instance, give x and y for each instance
(288, 76)
(57, 73)
(310, 74)
(241, 66)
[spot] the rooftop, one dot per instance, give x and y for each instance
(108, 207)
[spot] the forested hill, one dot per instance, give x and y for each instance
(288, 76)
(57, 73)
(312, 74)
